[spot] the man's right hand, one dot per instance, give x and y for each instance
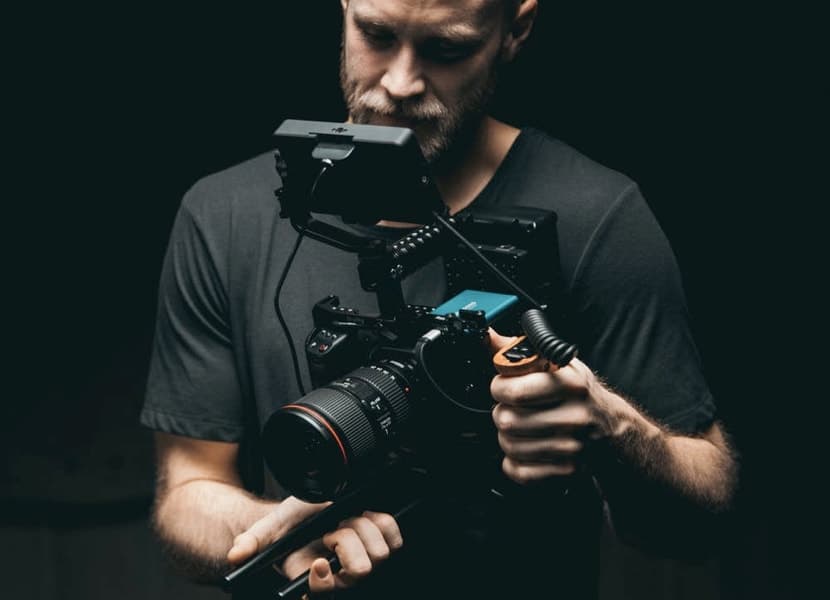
(360, 543)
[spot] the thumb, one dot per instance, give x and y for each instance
(497, 341)
(321, 577)
(244, 546)
(269, 528)
(256, 537)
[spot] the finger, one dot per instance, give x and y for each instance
(537, 388)
(374, 540)
(496, 341)
(540, 388)
(388, 527)
(299, 561)
(547, 449)
(320, 577)
(526, 473)
(572, 419)
(371, 537)
(294, 511)
(256, 537)
(244, 546)
(272, 526)
(354, 559)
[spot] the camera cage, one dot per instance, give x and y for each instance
(367, 161)
(330, 161)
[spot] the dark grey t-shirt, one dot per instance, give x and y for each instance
(221, 363)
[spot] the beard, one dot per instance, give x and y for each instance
(438, 127)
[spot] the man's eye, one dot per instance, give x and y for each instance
(378, 39)
(448, 53)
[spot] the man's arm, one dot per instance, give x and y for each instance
(208, 523)
(200, 505)
(665, 492)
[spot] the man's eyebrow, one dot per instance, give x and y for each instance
(453, 32)
(370, 21)
(458, 32)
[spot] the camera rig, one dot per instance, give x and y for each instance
(380, 381)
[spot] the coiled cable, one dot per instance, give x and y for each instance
(544, 340)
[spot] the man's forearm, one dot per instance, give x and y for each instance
(665, 491)
(198, 521)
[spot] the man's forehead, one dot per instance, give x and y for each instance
(460, 17)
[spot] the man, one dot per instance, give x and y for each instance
(632, 428)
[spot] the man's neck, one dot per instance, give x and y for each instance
(461, 180)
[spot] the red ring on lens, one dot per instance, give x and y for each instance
(321, 419)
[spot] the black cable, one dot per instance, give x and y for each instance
(281, 319)
(420, 354)
(296, 362)
(546, 342)
(534, 323)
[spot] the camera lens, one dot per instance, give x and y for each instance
(317, 446)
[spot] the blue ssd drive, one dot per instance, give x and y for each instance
(491, 303)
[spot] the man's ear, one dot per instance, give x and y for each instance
(345, 5)
(519, 29)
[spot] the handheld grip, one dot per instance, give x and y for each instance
(539, 350)
(519, 358)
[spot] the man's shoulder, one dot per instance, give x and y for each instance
(248, 184)
(563, 165)
(542, 170)
(545, 172)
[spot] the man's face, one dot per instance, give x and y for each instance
(429, 65)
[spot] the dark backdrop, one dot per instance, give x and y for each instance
(115, 112)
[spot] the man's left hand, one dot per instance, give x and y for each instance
(546, 418)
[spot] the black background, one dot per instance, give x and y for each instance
(115, 112)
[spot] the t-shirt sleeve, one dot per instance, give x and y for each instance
(636, 331)
(192, 387)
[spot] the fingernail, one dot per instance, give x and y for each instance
(321, 568)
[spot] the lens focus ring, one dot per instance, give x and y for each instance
(341, 408)
(389, 388)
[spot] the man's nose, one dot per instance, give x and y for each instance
(404, 78)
